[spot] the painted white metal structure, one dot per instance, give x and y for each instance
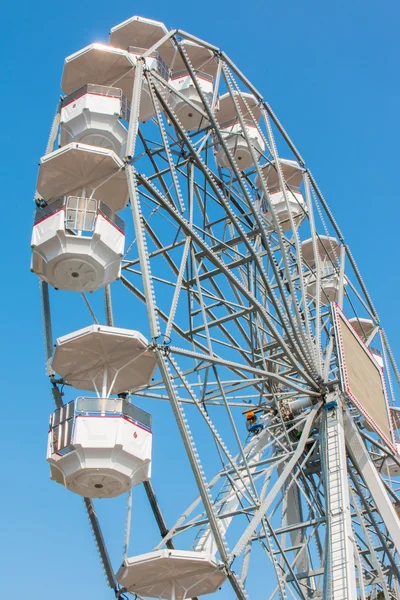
(93, 115)
(241, 135)
(188, 106)
(99, 447)
(233, 261)
(77, 244)
(290, 207)
(326, 264)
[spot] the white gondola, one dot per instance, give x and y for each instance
(99, 64)
(155, 62)
(77, 244)
(228, 119)
(171, 574)
(205, 69)
(101, 447)
(82, 170)
(92, 115)
(328, 251)
(390, 467)
(295, 204)
(363, 327)
(137, 35)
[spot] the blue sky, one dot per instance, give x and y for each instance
(329, 70)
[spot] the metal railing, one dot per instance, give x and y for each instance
(50, 208)
(184, 73)
(115, 406)
(236, 121)
(100, 90)
(62, 421)
(106, 211)
(139, 51)
(327, 272)
(80, 213)
(291, 189)
(277, 188)
(162, 67)
(61, 426)
(125, 108)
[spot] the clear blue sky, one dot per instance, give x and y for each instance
(331, 72)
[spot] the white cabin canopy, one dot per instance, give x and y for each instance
(172, 574)
(201, 59)
(142, 33)
(291, 171)
(327, 247)
(248, 105)
(107, 360)
(82, 170)
(363, 327)
(99, 64)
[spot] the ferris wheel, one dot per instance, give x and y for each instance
(171, 202)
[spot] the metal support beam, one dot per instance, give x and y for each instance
(105, 559)
(340, 580)
(259, 515)
(363, 462)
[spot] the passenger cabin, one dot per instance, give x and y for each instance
(285, 204)
(328, 253)
(95, 115)
(137, 35)
(390, 467)
(232, 132)
(77, 244)
(102, 65)
(77, 239)
(100, 447)
(187, 102)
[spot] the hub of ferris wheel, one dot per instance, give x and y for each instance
(168, 176)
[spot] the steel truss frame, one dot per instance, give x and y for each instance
(232, 328)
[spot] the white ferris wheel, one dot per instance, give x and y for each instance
(204, 272)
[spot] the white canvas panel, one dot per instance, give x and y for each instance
(362, 378)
